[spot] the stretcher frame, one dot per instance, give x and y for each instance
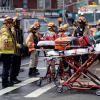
(81, 69)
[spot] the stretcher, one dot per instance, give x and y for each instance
(79, 69)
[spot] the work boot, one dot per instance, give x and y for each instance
(11, 83)
(5, 85)
(33, 72)
(15, 81)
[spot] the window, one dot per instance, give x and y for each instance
(41, 4)
(25, 2)
(97, 16)
(47, 4)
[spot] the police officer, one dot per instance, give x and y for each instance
(7, 50)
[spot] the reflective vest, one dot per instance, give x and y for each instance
(7, 42)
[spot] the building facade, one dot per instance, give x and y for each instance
(44, 4)
(35, 4)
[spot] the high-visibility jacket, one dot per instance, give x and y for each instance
(7, 42)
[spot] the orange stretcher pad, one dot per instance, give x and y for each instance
(63, 43)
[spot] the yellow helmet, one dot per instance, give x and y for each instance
(51, 24)
(98, 22)
(65, 26)
(36, 24)
(8, 20)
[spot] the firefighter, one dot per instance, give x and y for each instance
(17, 57)
(63, 31)
(31, 41)
(7, 50)
(81, 28)
(60, 21)
(51, 33)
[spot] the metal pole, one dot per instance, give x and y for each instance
(64, 17)
(44, 4)
(99, 2)
(94, 16)
(63, 9)
(76, 3)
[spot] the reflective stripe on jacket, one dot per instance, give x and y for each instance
(7, 45)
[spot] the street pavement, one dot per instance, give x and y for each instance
(28, 89)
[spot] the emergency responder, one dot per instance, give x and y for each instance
(17, 57)
(60, 21)
(51, 34)
(31, 41)
(63, 31)
(7, 50)
(81, 28)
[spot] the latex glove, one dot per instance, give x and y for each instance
(18, 45)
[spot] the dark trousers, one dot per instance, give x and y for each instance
(7, 67)
(16, 66)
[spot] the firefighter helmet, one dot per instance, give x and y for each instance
(65, 26)
(98, 22)
(8, 20)
(51, 24)
(36, 25)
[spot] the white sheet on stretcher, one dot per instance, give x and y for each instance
(46, 43)
(68, 52)
(97, 47)
(76, 51)
(52, 53)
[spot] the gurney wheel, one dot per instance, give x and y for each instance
(48, 79)
(98, 92)
(39, 82)
(59, 89)
(57, 81)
